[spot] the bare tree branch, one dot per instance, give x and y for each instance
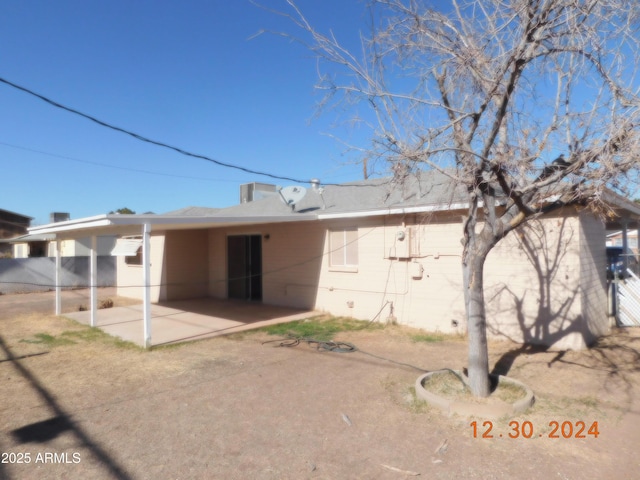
(488, 92)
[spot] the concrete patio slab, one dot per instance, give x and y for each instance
(185, 320)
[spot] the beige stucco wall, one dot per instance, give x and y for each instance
(593, 276)
(543, 284)
(186, 264)
(217, 265)
(129, 277)
(20, 250)
(532, 283)
(291, 256)
(385, 285)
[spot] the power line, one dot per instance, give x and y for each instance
(146, 139)
(106, 165)
(171, 147)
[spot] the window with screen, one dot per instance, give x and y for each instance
(343, 249)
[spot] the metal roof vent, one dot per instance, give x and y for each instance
(55, 217)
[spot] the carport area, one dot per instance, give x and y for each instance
(187, 320)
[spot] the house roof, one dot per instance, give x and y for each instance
(429, 192)
(367, 197)
(26, 217)
(194, 211)
(30, 238)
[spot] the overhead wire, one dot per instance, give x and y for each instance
(147, 139)
(172, 147)
(106, 165)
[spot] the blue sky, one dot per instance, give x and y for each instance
(184, 73)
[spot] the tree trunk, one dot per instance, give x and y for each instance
(472, 268)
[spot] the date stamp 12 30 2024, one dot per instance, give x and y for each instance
(526, 429)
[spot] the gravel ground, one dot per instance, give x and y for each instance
(233, 407)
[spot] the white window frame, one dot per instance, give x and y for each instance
(343, 249)
(131, 249)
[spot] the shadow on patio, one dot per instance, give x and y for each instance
(185, 320)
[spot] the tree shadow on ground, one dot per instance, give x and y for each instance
(616, 355)
(60, 422)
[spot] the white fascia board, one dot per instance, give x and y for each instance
(159, 222)
(395, 211)
(265, 219)
(169, 223)
(69, 225)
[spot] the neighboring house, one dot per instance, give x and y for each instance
(26, 246)
(11, 225)
(372, 250)
(615, 239)
(29, 269)
(44, 245)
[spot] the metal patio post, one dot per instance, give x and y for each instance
(58, 275)
(93, 279)
(146, 276)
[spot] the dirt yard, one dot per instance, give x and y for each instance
(74, 404)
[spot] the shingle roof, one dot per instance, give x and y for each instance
(42, 237)
(2, 210)
(431, 188)
(194, 211)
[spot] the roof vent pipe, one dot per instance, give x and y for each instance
(315, 183)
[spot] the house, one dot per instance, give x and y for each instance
(30, 266)
(373, 250)
(12, 224)
(44, 245)
(616, 239)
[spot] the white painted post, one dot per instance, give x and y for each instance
(625, 245)
(58, 277)
(146, 282)
(93, 281)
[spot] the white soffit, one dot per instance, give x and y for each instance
(126, 247)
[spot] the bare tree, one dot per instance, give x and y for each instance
(487, 92)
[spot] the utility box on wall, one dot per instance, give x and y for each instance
(402, 242)
(417, 270)
(401, 247)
